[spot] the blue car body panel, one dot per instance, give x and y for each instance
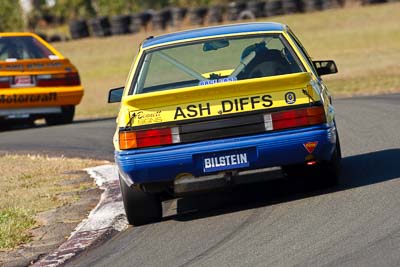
(269, 149)
(213, 32)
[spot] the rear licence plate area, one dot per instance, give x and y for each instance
(228, 160)
(22, 81)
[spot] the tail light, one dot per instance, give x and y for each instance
(4, 82)
(294, 118)
(148, 138)
(62, 79)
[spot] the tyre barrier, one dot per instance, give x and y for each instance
(146, 18)
(197, 15)
(319, 5)
(368, 2)
(55, 38)
(257, 8)
(292, 6)
(161, 19)
(215, 14)
(78, 29)
(246, 15)
(100, 26)
(234, 9)
(120, 24)
(274, 8)
(178, 15)
(135, 23)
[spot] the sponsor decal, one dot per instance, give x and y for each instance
(34, 98)
(290, 98)
(310, 146)
(30, 66)
(213, 107)
(145, 117)
(225, 106)
(222, 80)
(231, 161)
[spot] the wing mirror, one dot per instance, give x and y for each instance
(324, 67)
(115, 95)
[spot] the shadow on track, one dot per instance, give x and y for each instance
(26, 124)
(357, 171)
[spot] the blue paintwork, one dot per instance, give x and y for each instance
(272, 149)
(214, 31)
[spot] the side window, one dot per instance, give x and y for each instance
(304, 52)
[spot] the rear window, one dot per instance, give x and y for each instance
(22, 47)
(213, 61)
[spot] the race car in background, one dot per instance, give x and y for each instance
(219, 106)
(36, 81)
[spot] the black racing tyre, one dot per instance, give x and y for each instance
(215, 14)
(100, 26)
(274, 8)
(140, 207)
(197, 15)
(66, 116)
(323, 174)
(246, 15)
(326, 174)
(120, 24)
(329, 172)
(257, 7)
(78, 29)
(178, 15)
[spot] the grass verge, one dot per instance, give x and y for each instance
(33, 184)
(364, 42)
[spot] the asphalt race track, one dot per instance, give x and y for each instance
(280, 223)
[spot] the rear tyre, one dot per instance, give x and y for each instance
(329, 171)
(140, 207)
(66, 116)
(323, 174)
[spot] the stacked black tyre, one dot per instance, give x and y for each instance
(197, 15)
(161, 19)
(178, 15)
(274, 8)
(78, 29)
(215, 14)
(257, 8)
(100, 26)
(120, 24)
(234, 9)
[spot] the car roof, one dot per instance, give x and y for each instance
(17, 34)
(214, 31)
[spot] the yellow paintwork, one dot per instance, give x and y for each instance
(65, 95)
(159, 107)
(216, 97)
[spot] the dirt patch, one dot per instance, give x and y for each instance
(55, 227)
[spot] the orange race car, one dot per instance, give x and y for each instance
(36, 81)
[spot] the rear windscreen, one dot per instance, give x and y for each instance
(22, 47)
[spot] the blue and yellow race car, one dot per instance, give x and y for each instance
(219, 106)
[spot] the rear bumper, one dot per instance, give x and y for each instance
(171, 163)
(36, 102)
(40, 97)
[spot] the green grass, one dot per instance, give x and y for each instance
(39, 184)
(364, 42)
